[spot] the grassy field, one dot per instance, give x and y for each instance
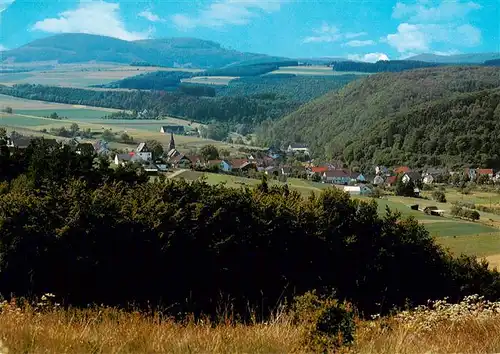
(70, 113)
(85, 118)
(318, 70)
(210, 80)
(79, 75)
(23, 104)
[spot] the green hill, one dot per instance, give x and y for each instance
(470, 58)
(74, 48)
(434, 116)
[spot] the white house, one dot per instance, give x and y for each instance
(144, 152)
(357, 190)
(428, 179)
(298, 148)
(121, 159)
(411, 176)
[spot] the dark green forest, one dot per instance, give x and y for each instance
(436, 116)
(246, 101)
(382, 66)
(71, 226)
(233, 110)
(158, 80)
(293, 87)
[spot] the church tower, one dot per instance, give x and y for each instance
(172, 142)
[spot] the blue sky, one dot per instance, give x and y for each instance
(357, 29)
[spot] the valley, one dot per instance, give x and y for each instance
(287, 205)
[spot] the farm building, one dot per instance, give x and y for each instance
(357, 190)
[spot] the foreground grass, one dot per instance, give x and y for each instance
(465, 328)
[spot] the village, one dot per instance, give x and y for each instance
(275, 163)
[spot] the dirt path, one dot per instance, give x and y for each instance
(494, 261)
(176, 173)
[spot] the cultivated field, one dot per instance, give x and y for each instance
(79, 75)
(23, 104)
(210, 80)
(317, 70)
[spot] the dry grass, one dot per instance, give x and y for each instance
(470, 327)
(104, 330)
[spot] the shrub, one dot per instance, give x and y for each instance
(439, 196)
(377, 192)
(329, 324)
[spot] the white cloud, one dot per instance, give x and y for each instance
(94, 17)
(426, 12)
(148, 15)
(370, 57)
(409, 37)
(329, 33)
(326, 33)
(2, 48)
(4, 4)
(226, 12)
(350, 35)
(421, 37)
(358, 43)
(469, 35)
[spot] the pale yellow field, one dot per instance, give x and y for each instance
(21, 103)
(79, 75)
(211, 80)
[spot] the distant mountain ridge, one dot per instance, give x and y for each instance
(179, 52)
(74, 48)
(470, 58)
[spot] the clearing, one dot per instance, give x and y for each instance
(211, 80)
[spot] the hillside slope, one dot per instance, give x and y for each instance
(471, 58)
(74, 48)
(387, 118)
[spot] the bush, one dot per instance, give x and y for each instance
(439, 196)
(316, 178)
(377, 192)
(459, 211)
(329, 324)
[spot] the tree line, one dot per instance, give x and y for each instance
(72, 226)
(382, 66)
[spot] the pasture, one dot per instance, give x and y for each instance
(79, 75)
(139, 130)
(210, 80)
(24, 104)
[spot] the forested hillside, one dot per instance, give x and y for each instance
(418, 117)
(382, 66)
(294, 88)
(233, 110)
